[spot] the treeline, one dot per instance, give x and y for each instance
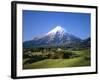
(55, 55)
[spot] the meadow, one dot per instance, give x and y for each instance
(55, 58)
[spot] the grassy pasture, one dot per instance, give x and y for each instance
(59, 59)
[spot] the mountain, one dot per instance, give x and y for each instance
(86, 43)
(56, 37)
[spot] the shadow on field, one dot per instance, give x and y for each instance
(34, 59)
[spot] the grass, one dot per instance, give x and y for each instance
(82, 60)
(58, 63)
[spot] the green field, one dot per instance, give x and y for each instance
(78, 59)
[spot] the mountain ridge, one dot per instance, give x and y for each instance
(56, 37)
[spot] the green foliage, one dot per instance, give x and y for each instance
(26, 56)
(52, 57)
(35, 58)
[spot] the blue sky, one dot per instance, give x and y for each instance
(36, 23)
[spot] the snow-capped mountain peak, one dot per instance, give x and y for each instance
(57, 29)
(56, 37)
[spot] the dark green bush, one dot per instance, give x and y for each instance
(66, 54)
(35, 58)
(26, 56)
(87, 57)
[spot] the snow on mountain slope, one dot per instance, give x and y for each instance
(57, 30)
(57, 36)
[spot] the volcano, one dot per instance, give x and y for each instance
(56, 37)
